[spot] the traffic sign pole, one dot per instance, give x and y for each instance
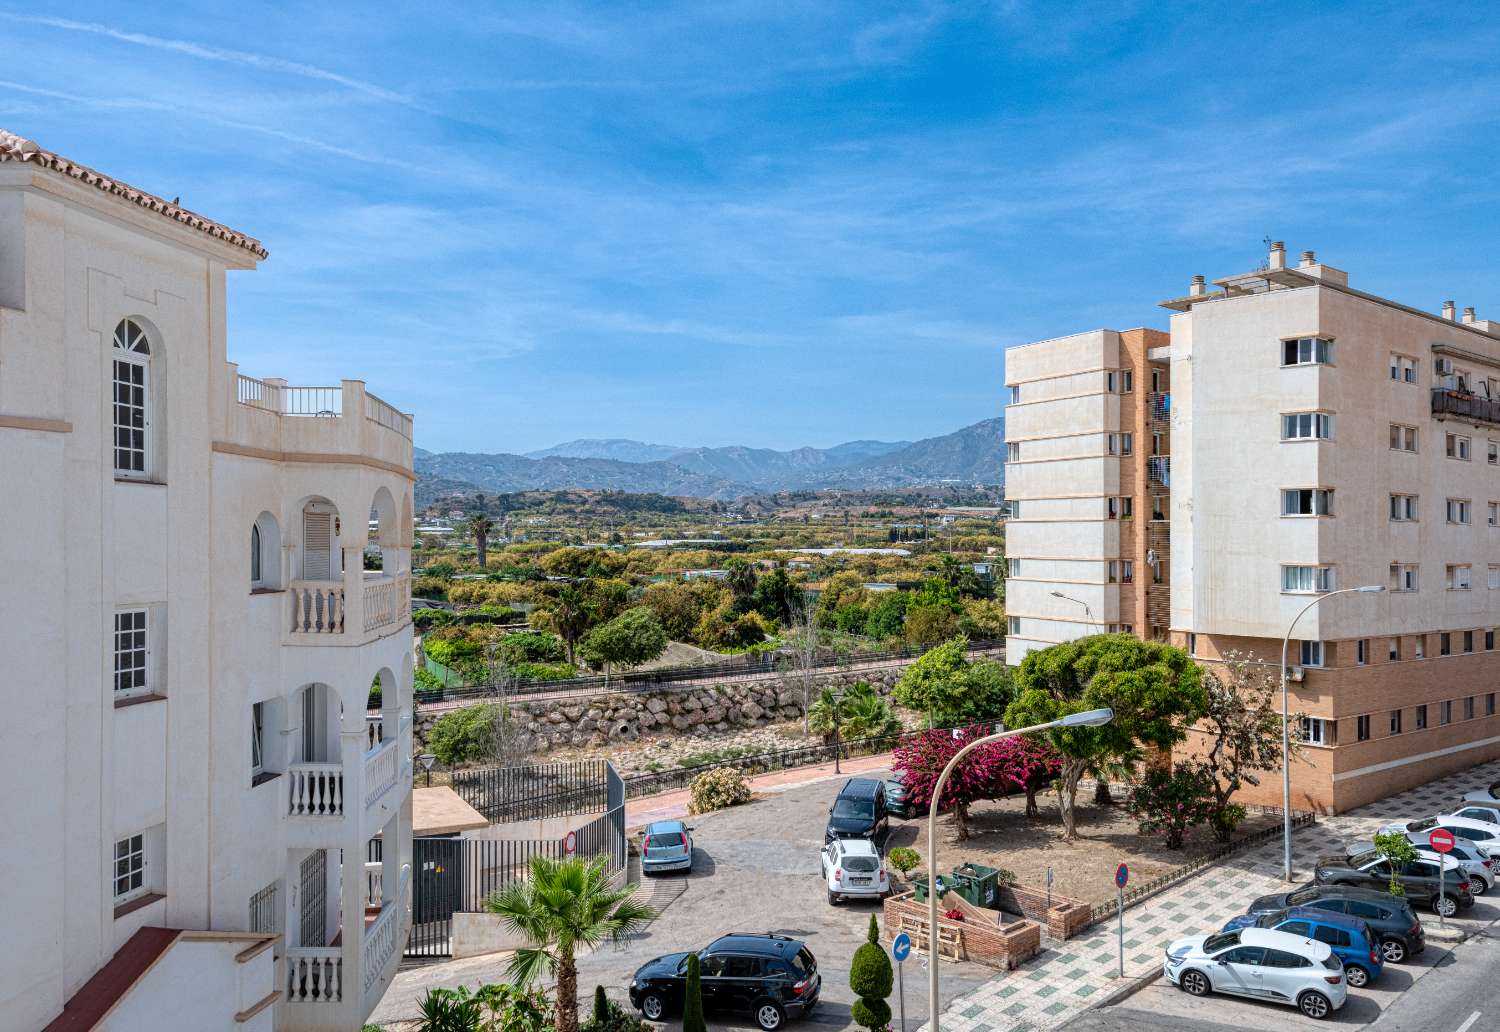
(901, 949)
(1442, 842)
(1122, 875)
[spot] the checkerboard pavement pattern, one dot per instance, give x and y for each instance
(1068, 977)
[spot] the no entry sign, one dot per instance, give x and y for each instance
(1442, 840)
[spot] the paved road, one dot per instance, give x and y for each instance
(756, 870)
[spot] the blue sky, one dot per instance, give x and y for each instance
(772, 224)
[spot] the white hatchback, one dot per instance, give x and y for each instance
(1263, 964)
(854, 869)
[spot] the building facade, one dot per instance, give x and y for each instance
(1326, 438)
(193, 628)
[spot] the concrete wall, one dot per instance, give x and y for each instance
(199, 985)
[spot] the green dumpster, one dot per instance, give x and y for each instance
(978, 884)
(919, 887)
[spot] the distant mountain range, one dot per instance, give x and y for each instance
(974, 454)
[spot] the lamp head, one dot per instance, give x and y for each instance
(1088, 718)
(426, 760)
(1371, 589)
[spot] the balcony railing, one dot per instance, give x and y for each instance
(1161, 406)
(382, 768)
(383, 937)
(1159, 470)
(1450, 402)
(386, 415)
(290, 401)
(317, 607)
(314, 974)
(315, 790)
(374, 884)
(385, 601)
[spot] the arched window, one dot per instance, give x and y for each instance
(132, 400)
(265, 554)
(255, 574)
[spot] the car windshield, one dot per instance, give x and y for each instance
(864, 864)
(1360, 859)
(1422, 825)
(1271, 920)
(1215, 943)
(1302, 896)
(862, 809)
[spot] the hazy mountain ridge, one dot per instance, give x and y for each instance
(762, 468)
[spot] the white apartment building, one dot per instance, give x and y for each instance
(191, 635)
(1322, 438)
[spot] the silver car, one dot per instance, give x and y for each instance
(666, 846)
(1262, 964)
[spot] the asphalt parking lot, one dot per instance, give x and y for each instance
(759, 862)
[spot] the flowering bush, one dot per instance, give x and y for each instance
(1169, 802)
(716, 789)
(954, 914)
(991, 771)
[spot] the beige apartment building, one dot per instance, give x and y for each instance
(1321, 438)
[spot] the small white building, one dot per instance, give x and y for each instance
(192, 784)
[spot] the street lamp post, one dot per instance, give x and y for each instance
(1088, 718)
(1088, 614)
(836, 696)
(1286, 727)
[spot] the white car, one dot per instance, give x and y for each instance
(1487, 813)
(1486, 796)
(854, 869)
(1465, 829)
(1263, 964)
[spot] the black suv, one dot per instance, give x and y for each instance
(1392, 920)
(1419, 879)
(858, 812)
(769, 977)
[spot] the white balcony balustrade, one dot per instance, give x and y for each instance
(314, 974)
(383, 938)
(317, 607)
(374, 884)
(382, 768)
(386, 599)
(315, 790)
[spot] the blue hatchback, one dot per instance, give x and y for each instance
(1350, 938)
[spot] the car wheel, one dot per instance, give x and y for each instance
(1445, 906)
(769, 1015)
(653, 1007)
(1194, 983)
(833, 900)
(1314, 1005)
(1356, 976)
(1393, 950)
(1477, 886)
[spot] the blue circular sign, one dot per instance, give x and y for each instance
(1122, 875)
(901, 947)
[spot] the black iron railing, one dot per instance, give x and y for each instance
(1449, 402)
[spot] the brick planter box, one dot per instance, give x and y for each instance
(988, 938)
(1067, 917)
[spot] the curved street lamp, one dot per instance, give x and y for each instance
(1286, 728)
(1088, 718)
(1088, 614)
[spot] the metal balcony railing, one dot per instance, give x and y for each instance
(1452, 402)
(1159, 470)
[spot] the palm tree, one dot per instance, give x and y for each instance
(561, 905)
(567, 615)
(481, 525)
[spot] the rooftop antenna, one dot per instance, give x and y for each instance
(1265, 261)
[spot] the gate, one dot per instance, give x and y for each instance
(437, 865)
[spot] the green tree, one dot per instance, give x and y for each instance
(1167, 803)
(1397, 851)
(870, 976)
(887, 617)
(951, 690)
(926, 625)
(740, 580)
(568, 614)
(563, 905)
(677, 606)
(481, 526)
(862, 714)
(630, 639)
(775, 596)
(692, 999)
(1155, 691)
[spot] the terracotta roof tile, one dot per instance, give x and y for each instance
(18, 148)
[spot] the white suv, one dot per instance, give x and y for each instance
(1465, 829)
(853, 869)
(1261, 963)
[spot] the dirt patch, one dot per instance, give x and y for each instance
(1000, 835)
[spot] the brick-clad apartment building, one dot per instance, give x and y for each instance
(1289, 436)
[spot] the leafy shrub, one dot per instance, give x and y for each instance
(728, 752)
(442, 569)
(904, 859)
(429, 587)
(452, 645)
(449, 1010)
(609, 1016)
(544, 671)
(692, 999)
(1398, 850)
(427, 618)
(716, 789)
(425, 682)
(530, 647)
(464, 736)
(870, 976)
(863, 713)
(513, 1008)
(1169, 802)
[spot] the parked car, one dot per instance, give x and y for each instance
(1351, 940)
(1262, 964)
(1485, 797)
(854, 869)
(858, 811)
(1480, 833)
(898, 801)
(666, 846)
(1418, 878)
(1392, 919)
(769, 977)
(1488, 812)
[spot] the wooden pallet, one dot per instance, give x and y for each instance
(950, 940)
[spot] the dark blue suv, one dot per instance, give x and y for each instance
(769, 977)
(1350, 938)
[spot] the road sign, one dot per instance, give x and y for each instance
(1442, 840)
(570, 844)
(1122, 875)
(901, 947)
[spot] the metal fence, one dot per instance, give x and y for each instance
(647, 680)
(536, 792)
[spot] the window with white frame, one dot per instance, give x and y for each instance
(1127, 571)
(1121, 508)
(1015, 394)
(1403, 438)
(1420, 715)
(1494, 514)
(1112, 572)
(1494, 578)
(1362, 727)
(1012, 625)
(1109, 381)
(1317, 731)
(1403, 577)
(257, 739)
(1312, 653)
(1306, 501)
(132, 653)
(1306, 351)
(1403, 368)
(1459, 510)
(1127, 443)
(1395, 649)
(1306, 426)
(1458, 447)
(132, 400)
(1403, 507)
(256, 572)
(1013, 567)
(1494, 453)
(1307, 579)
(1459, 577)
(1127, 381)
(1012, 451)
(130, 868)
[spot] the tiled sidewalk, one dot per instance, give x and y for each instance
(1070, 976)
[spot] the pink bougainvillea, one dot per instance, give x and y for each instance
(991, 771)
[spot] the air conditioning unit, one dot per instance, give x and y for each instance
(1295, 675)
(1444, 366)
